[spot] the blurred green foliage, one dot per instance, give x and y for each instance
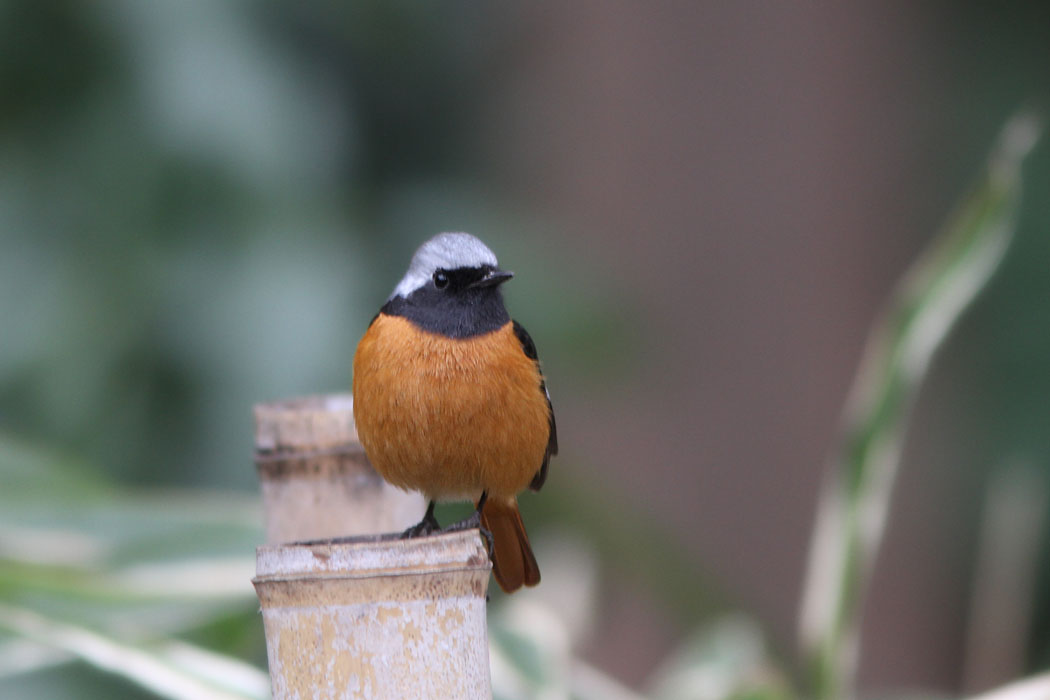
(175, 231)
(202, 204)
(89, 568)
(1000, 58)
(926, 304)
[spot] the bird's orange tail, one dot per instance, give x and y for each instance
(513, 563)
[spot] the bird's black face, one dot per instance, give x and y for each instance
(459, 303)
(463, 279)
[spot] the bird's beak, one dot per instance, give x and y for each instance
(493, 278)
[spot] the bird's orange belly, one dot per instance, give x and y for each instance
(449, 417)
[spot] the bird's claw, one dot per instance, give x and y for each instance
(427, 526)
(470, 523)
(491, 544)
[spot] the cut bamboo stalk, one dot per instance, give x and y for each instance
(350, 614)
(316, 480)
(377, 618)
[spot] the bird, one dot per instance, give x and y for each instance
(450, 399)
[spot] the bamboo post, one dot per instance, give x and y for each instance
(316, 480)
(381, 619)
(365, 615)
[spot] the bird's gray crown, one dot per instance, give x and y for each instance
(445, 251)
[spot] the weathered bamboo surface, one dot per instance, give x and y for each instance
(316, 480)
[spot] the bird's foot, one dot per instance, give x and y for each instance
(427, 526)
(491, 544)
(470, 523)
(421, 529)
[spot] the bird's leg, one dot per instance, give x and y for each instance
(471, 521)
(474, 521)
(424, 527)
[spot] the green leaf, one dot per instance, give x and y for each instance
(727, 660)
(926, 304)
(172, 670)
(110, 576)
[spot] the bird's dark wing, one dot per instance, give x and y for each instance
(552, 441)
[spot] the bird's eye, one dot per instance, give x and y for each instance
(440, 279)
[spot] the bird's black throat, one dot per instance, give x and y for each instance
(459, 313)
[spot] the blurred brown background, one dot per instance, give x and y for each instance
(706, 203)
(751, 179)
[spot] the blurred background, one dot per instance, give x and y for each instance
(203, 204)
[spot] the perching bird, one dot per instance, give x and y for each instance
(449, 398)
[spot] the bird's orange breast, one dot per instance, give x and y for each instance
(450, 417)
